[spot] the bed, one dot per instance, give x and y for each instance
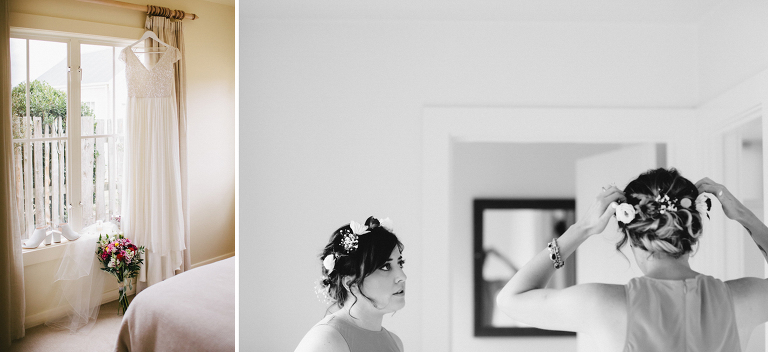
(192, 311)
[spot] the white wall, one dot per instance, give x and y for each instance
(503, 170)
(330, 131)
(733, 46)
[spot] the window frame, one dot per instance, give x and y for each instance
(74, 135)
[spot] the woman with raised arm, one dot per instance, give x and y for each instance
(363, 279)
(671, 307)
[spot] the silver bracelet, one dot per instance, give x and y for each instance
(554, 254)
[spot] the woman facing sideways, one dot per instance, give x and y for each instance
(671, 307)
(363, 278)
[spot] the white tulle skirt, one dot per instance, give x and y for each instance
(152, 208)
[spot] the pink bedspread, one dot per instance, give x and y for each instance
(193, 311)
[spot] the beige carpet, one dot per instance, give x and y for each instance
(101, 338)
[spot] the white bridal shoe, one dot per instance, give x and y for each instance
(67, 232)
(40, 234)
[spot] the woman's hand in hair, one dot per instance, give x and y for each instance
(734, 210)
(601, 211)
(732, 207)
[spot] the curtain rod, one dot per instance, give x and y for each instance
(156, 10)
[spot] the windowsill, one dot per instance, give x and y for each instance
(44, 253)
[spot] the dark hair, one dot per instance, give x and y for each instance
(372, 252)
(656, 228)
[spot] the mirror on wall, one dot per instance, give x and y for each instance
(507, 234)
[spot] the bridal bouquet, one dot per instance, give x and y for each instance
(122, 259)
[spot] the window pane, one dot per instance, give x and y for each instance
(21, 183)
(103, 93)
(19, 87)
(40, 107)
(97, 88)
(48, 88)
(40, 165)
(18, 61)
(58, 183)
(41, 183)
(100, 184)
(121, 94)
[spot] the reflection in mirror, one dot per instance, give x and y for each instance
(508, 233)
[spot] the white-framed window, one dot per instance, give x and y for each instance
(68, 108)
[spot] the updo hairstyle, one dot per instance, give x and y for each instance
(664, 221)
(373, 251)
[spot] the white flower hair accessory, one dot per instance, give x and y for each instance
(349, 236)
(704, 204)
(665, 204)
(625, 213)
(387, 224)
(358, 229)
(329, 263)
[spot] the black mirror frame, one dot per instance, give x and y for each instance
(479, 205)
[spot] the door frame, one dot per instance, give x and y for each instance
(445, 126)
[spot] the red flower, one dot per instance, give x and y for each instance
(120, 256)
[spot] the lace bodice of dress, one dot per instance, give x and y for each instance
(156, 82)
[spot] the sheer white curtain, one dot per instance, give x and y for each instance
(12, 305)
(160, 266)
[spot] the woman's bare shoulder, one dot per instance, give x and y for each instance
(322, 338)
(602, 293)
(749, 299)
(748, 288)
(397, 341)
(748, 285)
(580, 308)
(610, 298)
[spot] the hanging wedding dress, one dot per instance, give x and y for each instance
(152, 208)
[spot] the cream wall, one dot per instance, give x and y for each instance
(210, 64)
